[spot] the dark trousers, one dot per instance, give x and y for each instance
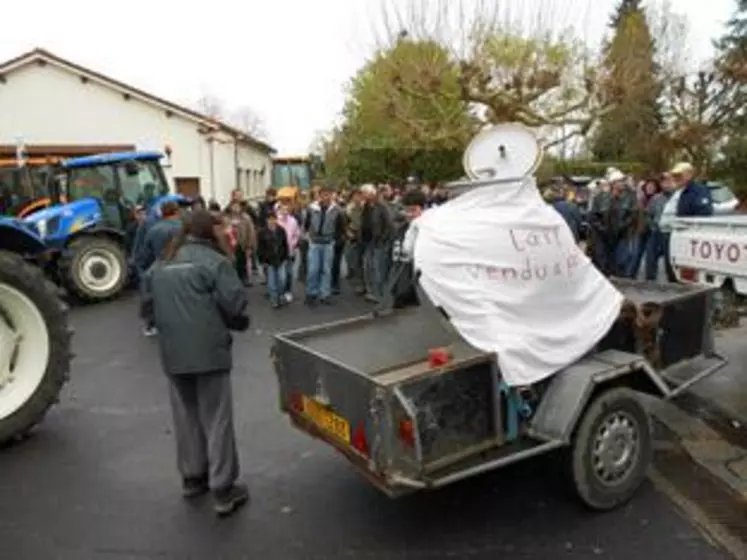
(337, 265)
(303, 265)
(202, 407)
(241, 263)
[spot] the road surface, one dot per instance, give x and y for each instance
(97, 481)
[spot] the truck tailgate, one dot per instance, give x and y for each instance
(708, 251)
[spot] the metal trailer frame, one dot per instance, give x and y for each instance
(397, 470)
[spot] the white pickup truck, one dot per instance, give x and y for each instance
(711, 251)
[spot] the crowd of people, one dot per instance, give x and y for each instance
(623, 223)
(195, 268)
(281, 242)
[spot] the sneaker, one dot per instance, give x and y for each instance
(372, 298)
(195, 487)
(228, 501)
(150, 331)
(326, 301)
(275, 304)
(288, 297)
(310, 300)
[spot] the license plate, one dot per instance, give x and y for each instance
(328, 421)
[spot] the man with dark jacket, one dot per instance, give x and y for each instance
(695, 198)
(568, 210)
(377, 232)
(324, 225)
(612, 218)
(197, 300)
(157, 238)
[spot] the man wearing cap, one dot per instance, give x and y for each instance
(695, 199)
(612, 219)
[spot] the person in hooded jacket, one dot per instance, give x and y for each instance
(198, 299)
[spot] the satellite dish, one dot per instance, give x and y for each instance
(504, 152)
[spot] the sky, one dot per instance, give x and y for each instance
(287, 60)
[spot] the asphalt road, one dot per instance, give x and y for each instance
(98, 480)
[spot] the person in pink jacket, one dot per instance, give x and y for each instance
(293, 233)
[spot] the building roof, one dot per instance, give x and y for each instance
(114, 157)
(42, 56)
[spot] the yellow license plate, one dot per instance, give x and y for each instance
(328, 421)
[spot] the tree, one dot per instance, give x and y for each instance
(704, 111)
(246, 120)
(630, 130)
(699, 109)
(242, 118)
(522, 71)
(404, 115)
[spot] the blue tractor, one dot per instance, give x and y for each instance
(89, 228)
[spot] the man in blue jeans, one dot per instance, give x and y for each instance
(324, 225)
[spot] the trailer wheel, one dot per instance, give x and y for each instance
(611, 450)
(35, 341)
(94, 268)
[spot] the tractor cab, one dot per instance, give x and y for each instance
(118, 182)
(26, 188)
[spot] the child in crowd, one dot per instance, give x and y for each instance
(288, 222)
(272, 251)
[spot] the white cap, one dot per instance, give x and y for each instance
(682, 168)
(614, 175)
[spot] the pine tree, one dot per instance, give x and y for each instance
(629, 132)
(732, 46)
(624, 8)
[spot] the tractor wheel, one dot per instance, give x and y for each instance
(94, 268)
(35, 346)
(611, 450)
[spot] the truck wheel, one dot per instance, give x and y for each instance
(611, 450)
(727, 306)
(94, 268)
(35, 342)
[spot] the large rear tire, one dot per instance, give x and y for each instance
(35, 346)
(94, 268)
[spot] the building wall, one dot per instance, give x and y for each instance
(49, 105)
(255, 171)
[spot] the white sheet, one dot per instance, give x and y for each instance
(504, 266)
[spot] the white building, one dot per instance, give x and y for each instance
(58, 108)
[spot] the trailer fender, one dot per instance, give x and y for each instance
(570, 391)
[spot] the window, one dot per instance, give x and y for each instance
(96, 182)
(720, 193)
(291, 174)
(141, 181)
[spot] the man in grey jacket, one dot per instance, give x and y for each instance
(197, 300)
(325, 225)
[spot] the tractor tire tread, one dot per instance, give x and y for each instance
(29, 279)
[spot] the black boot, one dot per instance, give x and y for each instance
(228, 501)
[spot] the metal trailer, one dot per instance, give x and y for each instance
(412, 406)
